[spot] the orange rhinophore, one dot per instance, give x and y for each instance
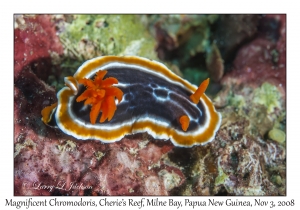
(195, 97)
(185, 122)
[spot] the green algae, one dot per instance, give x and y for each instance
(277, 180)
(277, 135)
(269, 96)
(262, 106)
(222, 177)
(88, 36)
(235, 100)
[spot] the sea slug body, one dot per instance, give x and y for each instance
(110, 97)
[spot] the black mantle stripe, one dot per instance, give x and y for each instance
(140, 100)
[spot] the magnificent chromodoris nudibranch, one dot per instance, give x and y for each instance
(110, 97)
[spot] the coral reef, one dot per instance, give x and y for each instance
(87, 36)
(263, 58)
(45, 157)
(48, 162)
(184, 40)
(248, 155)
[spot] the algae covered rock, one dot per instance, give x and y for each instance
(88, 36)
(269, 96)
(277, 135)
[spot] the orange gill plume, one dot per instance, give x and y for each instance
(100, 94)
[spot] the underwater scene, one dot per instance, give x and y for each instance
(108, 105)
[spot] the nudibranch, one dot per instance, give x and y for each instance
(110, 97)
